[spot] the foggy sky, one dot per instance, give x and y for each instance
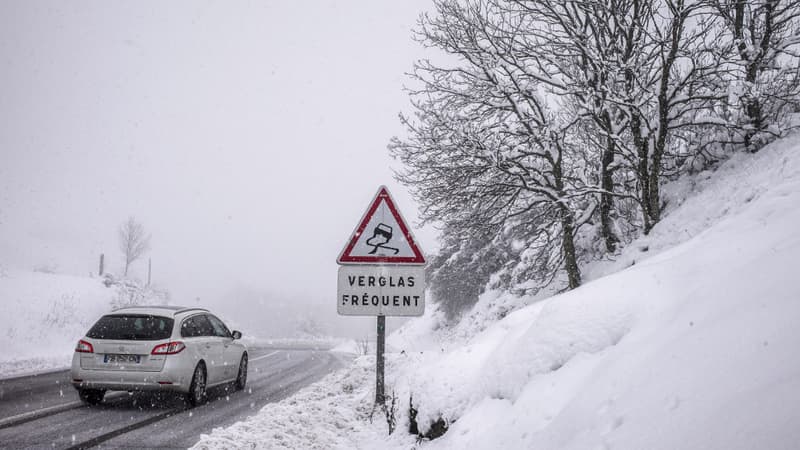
(247, 137)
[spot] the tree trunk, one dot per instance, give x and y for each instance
(752, 109)
(654, 200)
(754, 61)
(606, 197)
(567, 227)
(642, 170)
(654, 176)
(568, 246)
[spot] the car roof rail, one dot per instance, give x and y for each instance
(189, 309)
(175, 309)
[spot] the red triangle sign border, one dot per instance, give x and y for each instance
(347, 258)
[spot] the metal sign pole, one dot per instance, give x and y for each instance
(380, 398)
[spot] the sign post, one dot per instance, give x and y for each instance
(380, 396)
(382, 273)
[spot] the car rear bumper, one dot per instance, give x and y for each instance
(104, 381)
(173, 377)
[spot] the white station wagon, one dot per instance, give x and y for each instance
(158, 348)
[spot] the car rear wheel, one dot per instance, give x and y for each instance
(91, 396)
(241, 378)
(197, 390)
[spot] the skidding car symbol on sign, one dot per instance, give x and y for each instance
(380, 237)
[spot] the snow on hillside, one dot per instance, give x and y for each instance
(44, 315)
(688, 340)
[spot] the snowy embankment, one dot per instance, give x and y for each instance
(43, 316)
(687, 340)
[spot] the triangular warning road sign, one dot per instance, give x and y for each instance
(382, 236)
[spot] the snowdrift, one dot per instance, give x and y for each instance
(44, 315)
(687, 340)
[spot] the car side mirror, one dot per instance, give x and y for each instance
(237, 334)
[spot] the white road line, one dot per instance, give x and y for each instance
(32, 415)
(265, 356)
(40, 412)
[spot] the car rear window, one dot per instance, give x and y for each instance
(132, 327)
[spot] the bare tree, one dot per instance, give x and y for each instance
(486, 151)
(762, 46)
(631, 70)
(133, 242)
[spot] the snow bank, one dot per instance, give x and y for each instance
(326, 415)
(687, 341)
(348, 346)
(44, 315)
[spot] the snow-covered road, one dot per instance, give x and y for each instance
(44, 411)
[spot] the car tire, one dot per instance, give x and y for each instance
(241, 378)
(91, 396)
(197, 390)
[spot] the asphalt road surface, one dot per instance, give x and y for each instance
(43, 411)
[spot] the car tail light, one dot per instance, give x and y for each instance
(170, 348)
(84, 347)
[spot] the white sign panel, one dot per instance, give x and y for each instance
(381, 290)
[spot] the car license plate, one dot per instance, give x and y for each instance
(136, 359)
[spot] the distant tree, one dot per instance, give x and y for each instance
(133, 242)
(463, 268)
(308, 326)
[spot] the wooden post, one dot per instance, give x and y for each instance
(102, 260)
(149, 269)
(380, 398)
